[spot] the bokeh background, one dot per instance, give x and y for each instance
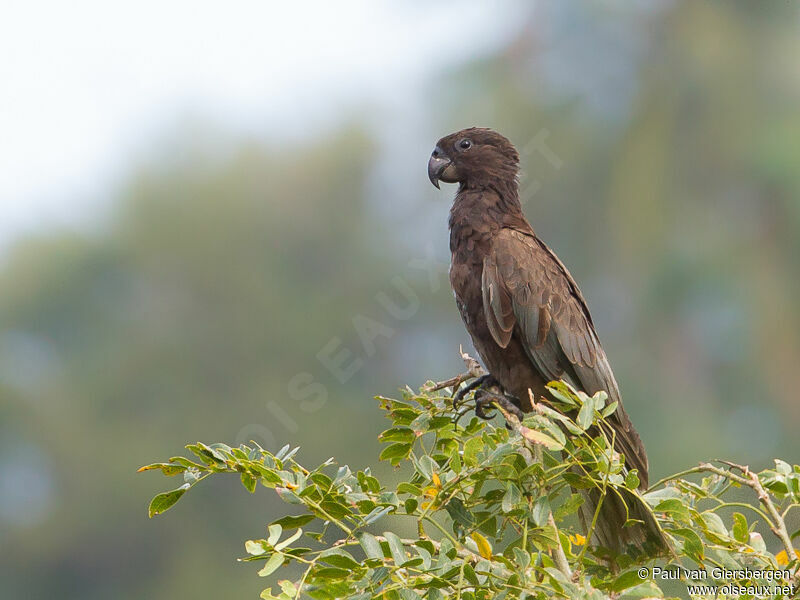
(200, 202)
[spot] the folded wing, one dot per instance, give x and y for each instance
(529, 293)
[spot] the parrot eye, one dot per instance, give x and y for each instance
(464, 144)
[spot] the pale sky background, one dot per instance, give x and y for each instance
(87, 87)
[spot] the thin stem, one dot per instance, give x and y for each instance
(303, 579)
(675, 476)
(443, 530)
(755, 509)
(751, 480)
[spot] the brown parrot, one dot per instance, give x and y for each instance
(526, 316)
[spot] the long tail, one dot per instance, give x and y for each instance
(641, 537)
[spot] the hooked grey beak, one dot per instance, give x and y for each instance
(437, 165)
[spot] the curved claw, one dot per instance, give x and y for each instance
(512, 407)
(474, 384)
(485, 398)
(483, 415)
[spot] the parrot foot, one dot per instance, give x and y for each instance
(485, 398)
(478, 382)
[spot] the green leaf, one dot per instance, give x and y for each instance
(557, 416)
(403, 416)
(741, 533)
(540, 511)
(290, 521)
(522, 558)
(459, 513)
(289, 540)
(275, 561)
(585, 415)
(647, 590)
(185, 462)
(420, 424)
(368, 482)
(472, 448)
(561, 391)
(330, 573)
(439, 423)
(542, 423)
(632, 480)
(210, 456)
(166, 468)
(335, 509)
(455, 461)
(511, 498)
(395, 452)
(469, 574)
(249, 482)
(610, 409)
(377, 513)
(714, 528)
(269, 477)
(577, 481)
(692, 544)
(255, 547)
(395, 548)
(537, 437)
(398, 434)
(288, 495)
(288, 588)
(598, 401)
(275, 531)
(282, 452)
(655, 497)
(289, 454)
(757, 542)
(223, 451)
(627, 580)
(427, 466)
(323, 481)
(339, 558)
(573, 503)
(165, 501)
(408, 488)
(370, 545)
(674, 508)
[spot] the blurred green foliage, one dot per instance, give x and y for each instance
(673, 198)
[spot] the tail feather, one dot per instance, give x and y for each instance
(641, 537)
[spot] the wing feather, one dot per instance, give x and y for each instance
(528, 292)
(499, 309)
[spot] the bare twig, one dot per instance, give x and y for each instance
(453, 382)
(474, 369)
(750, 479)
(778, 525)
(473, 366)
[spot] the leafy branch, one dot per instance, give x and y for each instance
(493, 508)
